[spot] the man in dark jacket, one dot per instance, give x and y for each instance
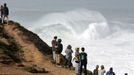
(83, 61)
(5, 12)
(60, 47)
(110, 72)
(58, 51)
(95, 72)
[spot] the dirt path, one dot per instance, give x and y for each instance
(52, 68)
(57, 70)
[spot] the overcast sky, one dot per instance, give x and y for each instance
(68, 4)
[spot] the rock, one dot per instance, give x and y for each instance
(89, 72)
(63, 60)
(22, 45)
(35, 69)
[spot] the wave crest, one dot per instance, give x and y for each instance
(90, 24)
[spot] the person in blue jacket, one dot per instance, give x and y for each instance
(110, 72)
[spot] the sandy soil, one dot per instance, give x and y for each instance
(33, 54)
(51, 68)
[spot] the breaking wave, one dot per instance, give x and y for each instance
(82, 22)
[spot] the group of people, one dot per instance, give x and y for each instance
(4, 13)
(57, 48)
(102, 70)
(80, 59)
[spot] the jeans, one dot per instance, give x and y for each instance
(83, 63)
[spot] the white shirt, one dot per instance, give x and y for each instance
(101, 72)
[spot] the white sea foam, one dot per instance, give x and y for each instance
(105, 44)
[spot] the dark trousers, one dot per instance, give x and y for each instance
(83, 63)
(69, 63)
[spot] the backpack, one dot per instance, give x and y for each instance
(77, 57)
(83, 56)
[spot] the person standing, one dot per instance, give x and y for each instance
(102, 70)
(2, 11)
(83, 61)
(5, 12)
(77, 61)
(110, 72)
(95, 72)
(59, 51)
(54, 46)
(69, 52)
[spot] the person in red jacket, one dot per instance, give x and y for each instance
(54, 46)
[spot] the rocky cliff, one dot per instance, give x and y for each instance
(17, 44)
(22, 52)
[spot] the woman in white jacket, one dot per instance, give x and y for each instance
(102, 70)
(69, 52)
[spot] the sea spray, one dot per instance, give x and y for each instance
(78, 22)
(105, 44)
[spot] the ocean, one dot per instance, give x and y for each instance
(107, 35)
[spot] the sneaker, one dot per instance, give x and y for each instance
(58, 66)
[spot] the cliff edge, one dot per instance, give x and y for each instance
(22, 52)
